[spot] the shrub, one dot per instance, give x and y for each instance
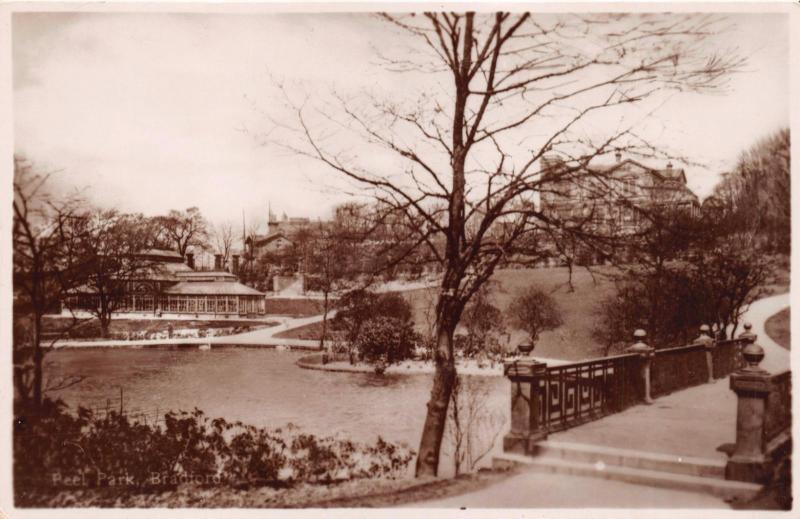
(484, 326)
(186, 448)
(386, 340)
(357, 307)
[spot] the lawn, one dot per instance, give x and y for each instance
(90, 328)
(294, 307)
(572, 341)
(779, 329)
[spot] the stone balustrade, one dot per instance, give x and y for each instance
(546, 399)
(763, 418)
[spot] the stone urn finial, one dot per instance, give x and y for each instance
(705, 337)
(525, 348)
(753, 355)
(639, 346)
(748, 334)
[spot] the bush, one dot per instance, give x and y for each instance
(484, 326)
(535, 311)
(357, 307)
(54, 444)
(386, 340)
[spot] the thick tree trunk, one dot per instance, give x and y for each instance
(38, 358)
(448, 309)
(444, 379)
(105, 323)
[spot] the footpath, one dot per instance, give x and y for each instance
(263, 337)
(691, 423)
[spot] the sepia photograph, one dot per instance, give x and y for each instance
(381, 257)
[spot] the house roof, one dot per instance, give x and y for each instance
(665, 173)
(162, 253)
(260, 241)
(164, 271)
(229, 288)
(189, 274)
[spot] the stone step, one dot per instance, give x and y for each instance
(719, 487)
(691, 466)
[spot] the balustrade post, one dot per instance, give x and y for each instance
(752, 386)
(708, 343)
(527, 376)
(746, 337)
(646, 354)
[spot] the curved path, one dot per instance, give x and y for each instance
(776, 358)
(261, 337)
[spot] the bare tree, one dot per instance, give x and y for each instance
(472, 426)
(504, 89)
(110, 248)
(330, 263)
(184, 229)
(223, 240)
(757, 192)
(46, 266)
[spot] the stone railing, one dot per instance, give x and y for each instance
(727, 356)
(678, 368)
(778, 412)
(548, 399)
(763, 419)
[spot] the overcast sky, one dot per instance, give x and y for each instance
(155, 111)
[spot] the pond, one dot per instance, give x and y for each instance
(265, 387)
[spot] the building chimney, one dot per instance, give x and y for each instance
(618, 154)
(190, 260)
(236, 264)
(669, 166)
(217, 261)
(551, 161)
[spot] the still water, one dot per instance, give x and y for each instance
(262, 387)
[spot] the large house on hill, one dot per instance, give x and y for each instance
(168, 284)
(613, 196)
(612, 199)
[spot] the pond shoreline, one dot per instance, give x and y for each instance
(411, 367)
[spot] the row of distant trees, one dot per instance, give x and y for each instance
(756, 193)
(63, 245)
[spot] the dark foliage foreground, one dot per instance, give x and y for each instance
(56, 450)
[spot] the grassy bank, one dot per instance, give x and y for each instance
(293, 307)
(572, 341)
(778, 327)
